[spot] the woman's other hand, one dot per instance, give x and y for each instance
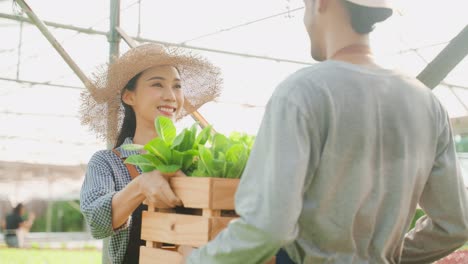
(155, 187)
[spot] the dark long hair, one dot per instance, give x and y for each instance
(129, 122)
(17, 209)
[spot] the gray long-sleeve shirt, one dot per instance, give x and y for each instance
(343, 156)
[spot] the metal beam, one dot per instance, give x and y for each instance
(245, 55)
(129, 40)
(142, 39)
(40, 83)
(45, 31)
(55, 25)
(446, 60)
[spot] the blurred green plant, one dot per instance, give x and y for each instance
(35, 245)
(461, 144)
(65, 218)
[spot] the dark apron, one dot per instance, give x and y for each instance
(132, 255)
(283, 258)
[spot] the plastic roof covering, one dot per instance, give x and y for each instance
(39, 123)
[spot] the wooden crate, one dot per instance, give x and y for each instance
(161, 227)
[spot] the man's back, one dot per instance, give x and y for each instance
(341, 159)
(380, 143)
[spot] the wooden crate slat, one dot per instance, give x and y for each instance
(205, 193)
(194, 192)
(210, 213)
(176, 229)
(217, 224)
(166, 226)
(222, 193)
(156, 255)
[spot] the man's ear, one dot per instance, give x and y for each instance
(322, 5)
(128, 97)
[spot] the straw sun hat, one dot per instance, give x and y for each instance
(201, 83)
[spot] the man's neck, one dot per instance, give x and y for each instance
(339, 40)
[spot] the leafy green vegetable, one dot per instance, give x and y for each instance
(133, 147)
(197, 155)
(168, 168)
(246, 139)
(204, 136)
(226, 158)
(165, 129)
(159, 148)
(140, 161)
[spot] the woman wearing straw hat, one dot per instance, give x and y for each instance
(146, 82)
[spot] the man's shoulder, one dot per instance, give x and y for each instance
(304, 82)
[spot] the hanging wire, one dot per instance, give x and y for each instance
(38, 114)
(423, 47)
(454, 85)
(242, 25)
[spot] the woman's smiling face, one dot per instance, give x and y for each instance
(158, 93)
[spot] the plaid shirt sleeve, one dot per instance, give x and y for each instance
(96, 197)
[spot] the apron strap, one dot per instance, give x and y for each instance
(131, 168)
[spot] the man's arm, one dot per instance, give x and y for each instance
(444, 199)
(270, 195)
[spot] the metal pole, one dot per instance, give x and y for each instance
(114, 37)
(49, 203)
(112, 116)
(139, 19)
(114, 42)
(446, 60)
(40, 25)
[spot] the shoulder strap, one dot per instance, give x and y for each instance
(131, 168)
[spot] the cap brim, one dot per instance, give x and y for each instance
(373, 3)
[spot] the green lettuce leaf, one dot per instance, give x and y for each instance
(165, 129)
(159, 148)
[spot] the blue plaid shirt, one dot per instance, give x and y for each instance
(106, 174)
